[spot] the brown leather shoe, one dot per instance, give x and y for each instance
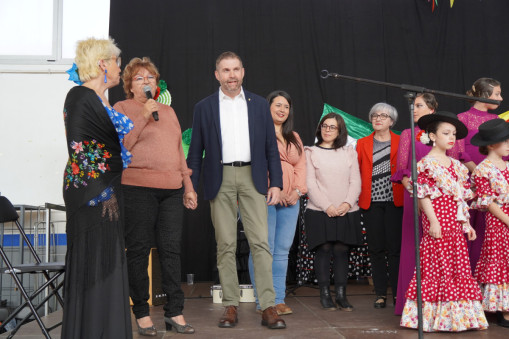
(271, 319)
(283, 309)
(229, 318)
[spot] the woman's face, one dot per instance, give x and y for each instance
(496, 95)
(279, 109)
(140, 79)
(445, 136)
(421, 109)
(330, 130)
(113, 71)
(381, 121)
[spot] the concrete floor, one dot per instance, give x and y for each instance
(309, 320)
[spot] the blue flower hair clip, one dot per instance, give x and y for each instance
(73, 74)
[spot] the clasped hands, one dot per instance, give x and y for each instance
(339, 211)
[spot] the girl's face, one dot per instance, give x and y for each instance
(496, 95)
(445, 136)
(501, 149)
(421, 109)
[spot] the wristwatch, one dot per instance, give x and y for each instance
(298, 192)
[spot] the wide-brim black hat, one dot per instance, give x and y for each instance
(491, 132)
(461, 129)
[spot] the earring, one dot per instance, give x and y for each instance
(434, 143)
(105, 72)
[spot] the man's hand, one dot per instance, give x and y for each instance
(273, 196)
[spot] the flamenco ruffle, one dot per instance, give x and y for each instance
(495, 297)
(425, 190)
(400, 174)
(482, 203)
(447, 316)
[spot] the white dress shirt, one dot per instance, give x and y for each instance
(234, 127)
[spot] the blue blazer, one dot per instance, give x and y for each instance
(206, 137)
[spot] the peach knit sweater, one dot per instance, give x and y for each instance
(158, 158)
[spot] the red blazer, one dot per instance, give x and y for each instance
(365, 157)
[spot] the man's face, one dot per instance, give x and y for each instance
(230, 73)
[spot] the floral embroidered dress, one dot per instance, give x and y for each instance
(451, 296)
(96, 293)
(492, 271)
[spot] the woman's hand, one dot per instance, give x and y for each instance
(471, 235)
(435, 230)
(292, 198)
(332, 211)
(149, 107)
(190, 200)
(110, 207)
(343, 209)
(406, 184)
(282, 198)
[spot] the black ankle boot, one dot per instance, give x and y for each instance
(326, 299)
(341, 300)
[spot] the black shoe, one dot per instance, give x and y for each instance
(501, 321)
(341, 300)
(380, 301)
(326, 299)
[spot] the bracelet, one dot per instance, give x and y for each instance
(298, 192)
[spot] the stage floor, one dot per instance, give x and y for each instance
(309, 320)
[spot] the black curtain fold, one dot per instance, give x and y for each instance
(286, 43)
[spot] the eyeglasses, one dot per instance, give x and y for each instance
(382, 116)
(331, 128)
(140, 78)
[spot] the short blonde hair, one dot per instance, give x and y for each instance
(88, 54)
(132, 68)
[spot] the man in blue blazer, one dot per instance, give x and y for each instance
(235, 129)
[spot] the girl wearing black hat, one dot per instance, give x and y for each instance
(491, 179)
(450, 294)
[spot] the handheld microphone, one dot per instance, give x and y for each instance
(148, 94)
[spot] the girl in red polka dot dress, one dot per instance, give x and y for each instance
(491, 182)
(451, 296)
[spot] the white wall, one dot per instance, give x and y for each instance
(33, 150)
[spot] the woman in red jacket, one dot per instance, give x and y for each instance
(381, 201)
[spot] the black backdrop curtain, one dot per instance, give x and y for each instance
(286, 43)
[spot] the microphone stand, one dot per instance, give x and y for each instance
(411, 92)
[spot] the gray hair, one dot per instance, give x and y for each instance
(382, 106)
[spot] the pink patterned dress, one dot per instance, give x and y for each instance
(450, 294)
(465, 152)
(492, 271)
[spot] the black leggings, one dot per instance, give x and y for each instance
(324, 252)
